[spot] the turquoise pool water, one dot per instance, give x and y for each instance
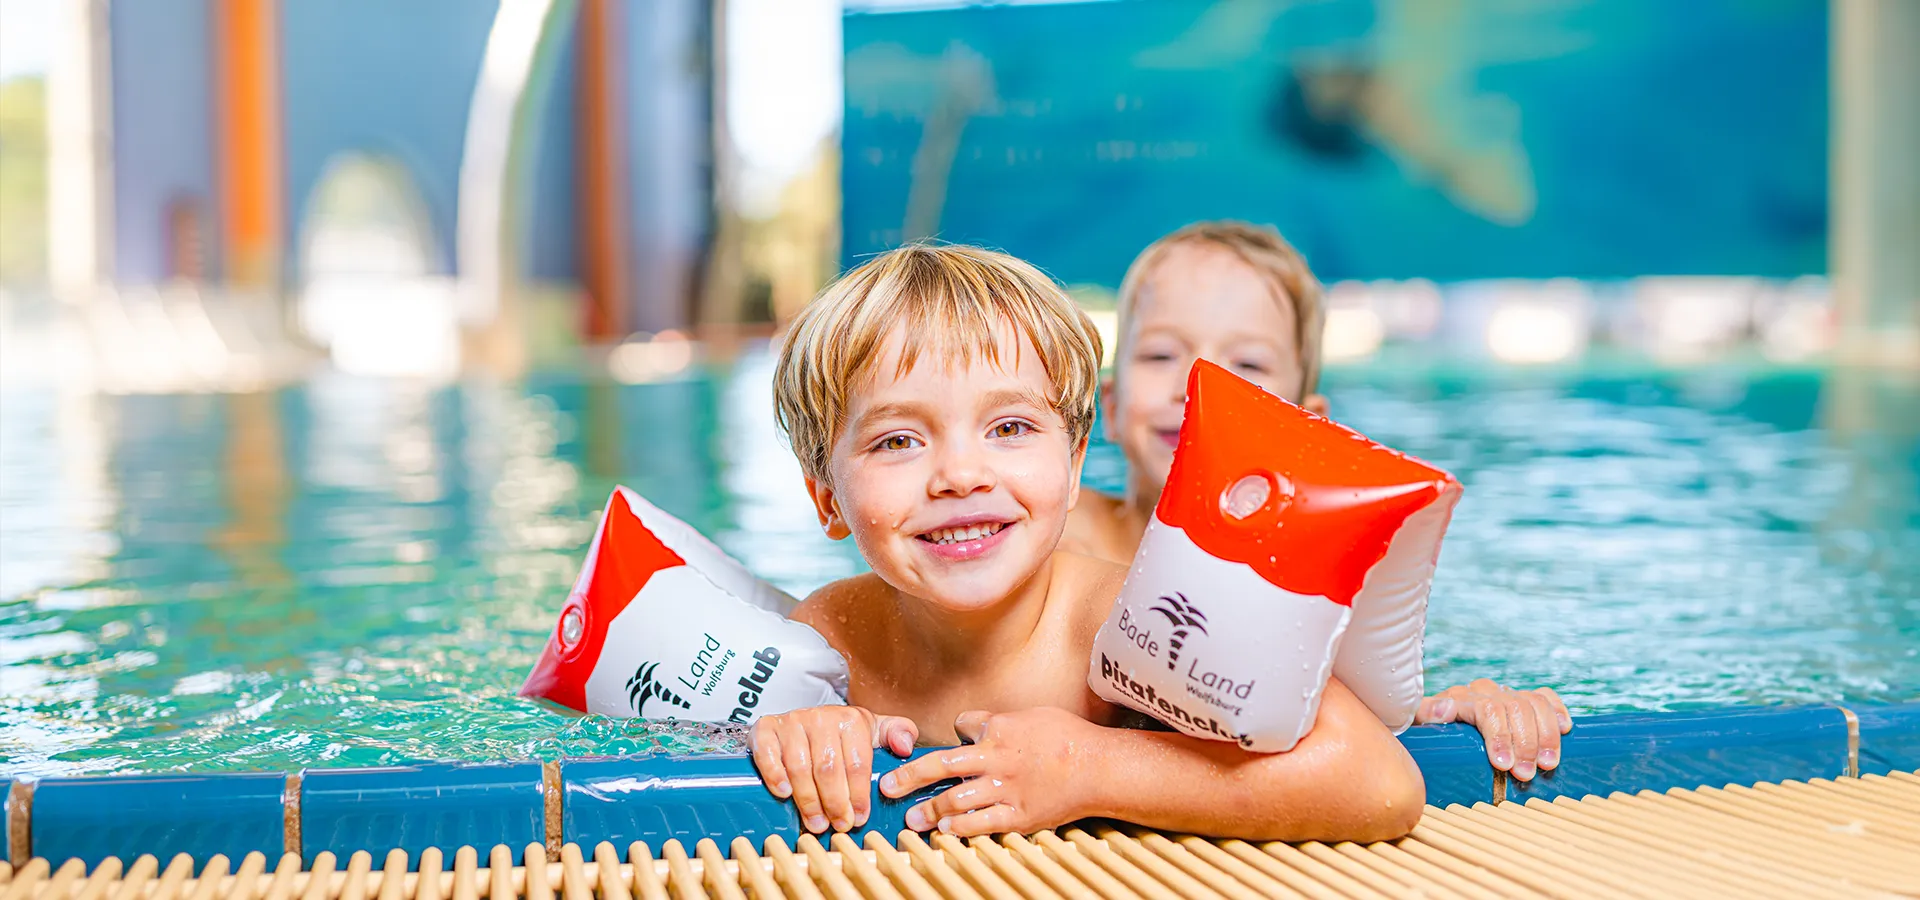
(360, 572)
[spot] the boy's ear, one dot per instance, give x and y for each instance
(828, 511)
(1073, 484)
(1316, 404)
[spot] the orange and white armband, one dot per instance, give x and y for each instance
(1285, 549)
(663, 624)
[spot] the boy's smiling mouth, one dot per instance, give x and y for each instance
(962, 534)
(965, 538)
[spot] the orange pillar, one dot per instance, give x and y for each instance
(601, 175)
(247, 112)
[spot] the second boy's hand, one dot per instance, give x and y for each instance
(1522, 729)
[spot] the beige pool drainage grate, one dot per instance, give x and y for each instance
(1850, 837)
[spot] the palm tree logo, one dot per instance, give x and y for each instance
(1185, 617)
(641, 688)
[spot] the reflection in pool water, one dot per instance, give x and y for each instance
(356, 571)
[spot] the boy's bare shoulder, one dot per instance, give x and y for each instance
(1095, 527)
(1091, 582)
(838, 604)
(1088, 568)
(1087, 521)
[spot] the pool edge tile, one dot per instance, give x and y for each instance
(1453, 762)
(442, 805)
(652, 798)
(1889, 737)
(1632, 752)
(92, 818)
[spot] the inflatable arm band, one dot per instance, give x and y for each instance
(662, 623)
(1285, 548)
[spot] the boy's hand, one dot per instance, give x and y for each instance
(1022, 771)
(821, 757)
(1522, 728)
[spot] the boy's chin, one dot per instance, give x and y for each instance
(971, 585)
(1151, 454)
(1152, 472)
(964, 595)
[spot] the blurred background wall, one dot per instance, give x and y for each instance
(498, 182)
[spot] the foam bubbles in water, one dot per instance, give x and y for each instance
(598, 735)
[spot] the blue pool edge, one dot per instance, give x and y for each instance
(441, 806)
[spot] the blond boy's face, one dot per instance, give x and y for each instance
(954, 480)
(1198, 302)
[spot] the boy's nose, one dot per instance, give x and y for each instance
(1180, 384)
(961, 472)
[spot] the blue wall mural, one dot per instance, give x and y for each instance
(1386, 138)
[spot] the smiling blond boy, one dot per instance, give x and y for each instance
(939, 400)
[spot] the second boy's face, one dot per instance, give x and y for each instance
(1198, 302)
(955, 481)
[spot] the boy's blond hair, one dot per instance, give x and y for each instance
(1261, 247)
(947, 300)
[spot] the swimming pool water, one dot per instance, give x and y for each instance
(353, 571)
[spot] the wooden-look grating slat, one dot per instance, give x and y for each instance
(1839, 838)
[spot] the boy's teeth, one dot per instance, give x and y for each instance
(962, 535)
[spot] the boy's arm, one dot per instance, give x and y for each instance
(1348, 779)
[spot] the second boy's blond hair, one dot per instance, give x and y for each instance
(1269, 254)
(948, 300)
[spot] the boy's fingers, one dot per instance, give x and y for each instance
(971, 725)
(766, 758)
(1524, 725)
(797, 755)
(1489, 715)
(992, 820)
(902, 739)
(1547, 729)
(1559, 707)
(830, 778)
(859, 756)
(959, 762)
(896, 733)
(1434, 710)
(962, 798)
(967, 796)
